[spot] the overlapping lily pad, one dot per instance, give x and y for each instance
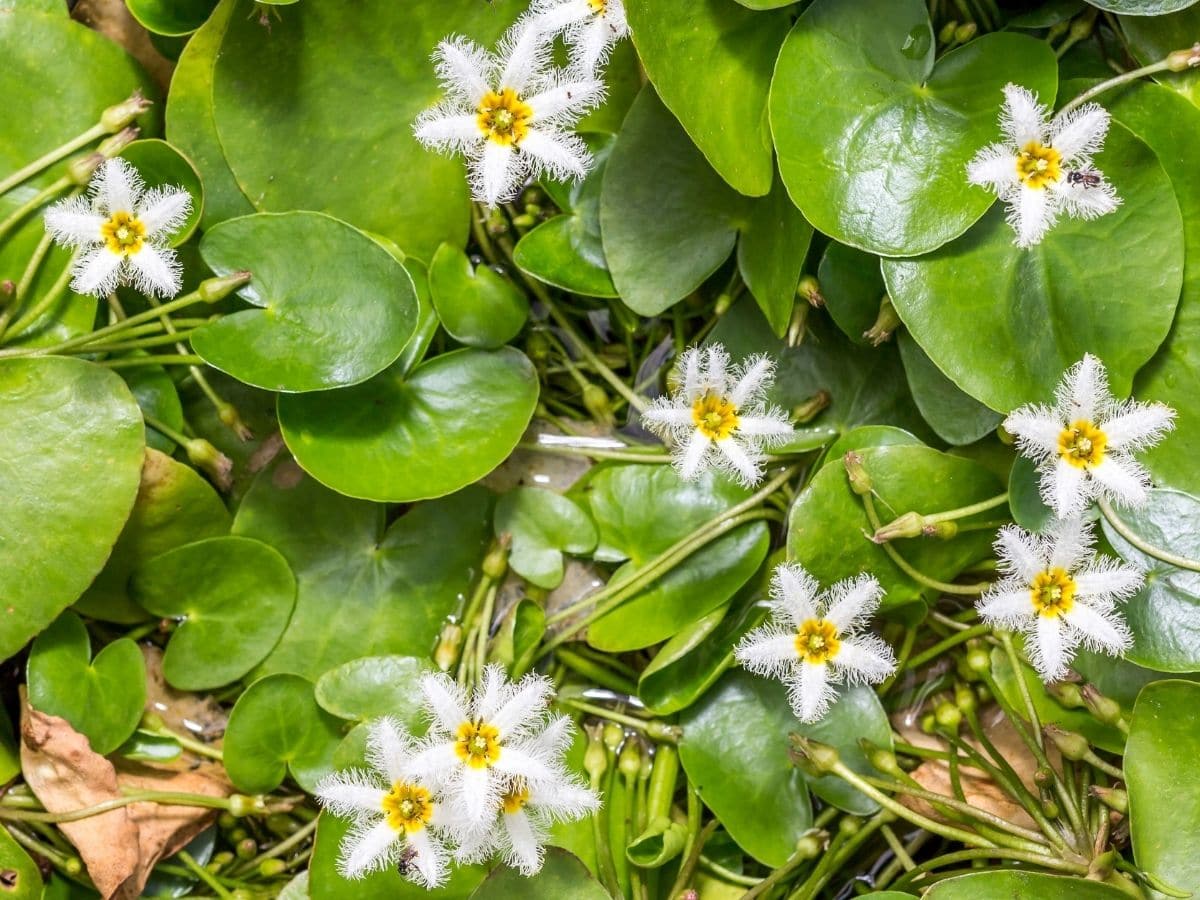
(477, 305)
(542, 526)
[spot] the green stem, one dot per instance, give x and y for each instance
(17, 216)
(1118, 524)
(942, 646)
(156, 340)
(715, 868)
(1124, 78)
(163, 798)
(1010, 651)
(691, 860)
(1037, 859)
(48, 159)
(295, 840)
(832, 862)
(22, 285)
(777, 876)
(593, 671)
(203, 874)
(35, 312)
(485, 628)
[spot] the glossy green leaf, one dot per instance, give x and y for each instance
(516, 643)
(171, 17)
(147, 746)
(392, 587)
(1025, 498)
(299, 84)
(827, 523)
(232, 598)
(711, 62)
(102, 697)
(874, 136)
(1163, 615)
(562, 875)
(374, 686)
(453, 420)
(1150, 38)
(735, 752)
(72, 456)
(10, 754)
(1142, 7)
(160, 165)
(477, 305)
(1036, 312)
(566, 251)
(867, 436)
(275, 729)
(856, 715)
(330, 306)
(957, 418)
(1007, 885)
(542, 525)
(157, 396)
(852, 286)
(190, 124)
(20, 875)
(771, 254)
(174, 506)
(1160, 768)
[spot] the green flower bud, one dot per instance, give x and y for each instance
(1066, 693)
(629, 760)
(724, 301)
(1182, 60)
(965, 32)
(850, 825)
(860, 481)
(270, 868)
(663, 733)
(885, 325)
(1070, 744)
(964, 698)
(73, 865)
(1113, 798)
(246, 848)
(948, 717)
(215, 464)
(226, 821)
(943, 531)
(812, 756)
(595, 757)
(1102, 866)
(946, 35)
(232, 419)
(979, 660)
(1043, 776)
(241, 805)
(810, 408)
(1050, 809)
(811, 844)
(221, 860)
(598, 404)
(881, 758)
(810, 289)
(614, 734)
(909, 525)
(1103, 708)
(213, 290)
(495, 564)
(928, 723)
(122, 114)
(449, 646)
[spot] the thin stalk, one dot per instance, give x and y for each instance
(13, 219)
(485, 628)
(203, 874)
(163, 798)
(779, 875)
(898, 849)
(1037, 859)
(44, 303)
(691, 859)
(942, 646)
(155, 340)
(283, 847)
(832, 862)
(1162, 65)
(595, 453)
(162, 359)
(1010, 651)
(26, 279)
(715, 868)
(50, 158)
(910, 570)
(1118, 524)
(593, 671)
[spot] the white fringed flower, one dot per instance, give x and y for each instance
(508, 112)
(816, 640)
(1084, 443)
(122, 230)
(528, 809)
(1060, 593)
(1044, 168)
(589, 27)
(717, 418)
(478, 748)
(398, 821)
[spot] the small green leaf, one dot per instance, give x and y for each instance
(1025, 497)
(277, 728)
(374, 686)
(853, 288)
(232, 598)
(543, 525)
(771, 253)
(21, 876)
(171, 17)
(477, 306)
(157, 396)
(102, 698)
(1008, 885)
(562, 875)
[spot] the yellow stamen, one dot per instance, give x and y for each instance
(124, 233)
(478, 744)
(817, 641)
(1038, 165)
(598, 6)
(504, 117)
(408, 807)
(516, 798)
(1082, 444)
(1052, 593)
(715, 416)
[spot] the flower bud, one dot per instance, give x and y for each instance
(220, 860)
(928, 723)
(212, 290)
(232, 419)
(495, 564)
(964, 698)
(860, 481)
(909, 525)
(979, 660)
(73, 865)
(1103, 708)
(1070, 744)
(810, 408)
(850, 825)
(948, 717)
(1182, 60)
(965, 32)
(810, 845)
(724, 301)
(81, 170)
(614, 734)
(1050, 809)
(595, 757)
(281, 825)
(449, 646)
(629, 760)
(946, 35)
(596, 402)
(1102, 866)
(269, 868)
(1066, 693)
(247, 848)
(537, 347)
(797, 326)
(1082, 26)
(881, 759)
(943, 531)
(812, 756)
(242, 805)
(226, 821)
(1043, 775)
(122, 114)
(810, 289)
(215, 464)
(885, 323)
(495, 223)
(1113, 798)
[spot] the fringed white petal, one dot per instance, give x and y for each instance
(478, 793)
(1097, 631)
(496, 174)
(1083, 392)
(1049, 650)
(1123, 478)
(1022, 117)
(164, 209)
(463, 68)
(561, 156)
(1070, 542)
(995, 167)
(351, 793)
(1107, 578)
(1020, 553)
(1031, 213)
(1136, 426)
(794, 594)
(97, 272)
(389, 748)
(524, 705)
(73, 223)
(1080, 133)
(368, 847)
(1065, 488)
(564, 102)
(768, 651)
(525, 852)
(1086, 201)
(553, 16)
(445, 702)
(744, 460)
(1008, 606)
(522, 761)
(1036, 428)
(448, 128)
(768, 430)
(753, 377)
(690, 458)
(525, 51)
(865, 659)
(116, 187)
(428, 858)
(852, 601)
(811, 691)
(156, 271)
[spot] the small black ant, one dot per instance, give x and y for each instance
(1085, 178)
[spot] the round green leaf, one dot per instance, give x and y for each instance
(867, 436)
(1008, 885)
(874, 137)
(1164, 615)
(374, 686)
(277, 728)
(157, 395)
(20, 874)
(852, 286)
(1035, 312)
(1160, 767)
(449, 423)
(1142, 7)
(232, 598)
(340, 123)
(160, 165)
(102, 698)
(562, 875)
(190, 124)
(735, 752)
(174, 506)
(70, 464)
(171, 17)
(477, 305)
(856, 715)
(828, 528)
(542, 525)
(332, 307)
(1150, 38)
(956, 417)
(391, 587)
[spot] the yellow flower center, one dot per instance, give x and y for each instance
(598, 6)
(408, 807)
(1082, 444)
(817, 641)
(1052, 593)
(516, 798)
(1039, 166)
(504, 117)
(715, 416)
(124, 233)
(478, 744)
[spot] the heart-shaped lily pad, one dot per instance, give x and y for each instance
(174, 506)
(72, 456)
(392, 587)
(477, 305)
(232, 597)
(103, 697)
(542, 525)
(562, 875)
(373, 686)
(333, 307)
(1037, 311)
(449, 423)
(874, 137)
(276, 728)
